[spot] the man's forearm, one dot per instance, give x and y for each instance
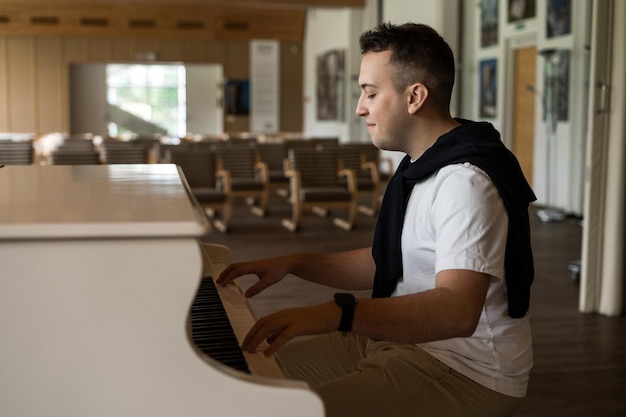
(351, 270)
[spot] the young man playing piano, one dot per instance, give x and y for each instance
(446, 332)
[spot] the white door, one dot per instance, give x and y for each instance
(204, 99)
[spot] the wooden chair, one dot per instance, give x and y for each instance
(357, 157)
(199, 168)
(16, 152)
(315, 182)
(76, 150)
(324, 142)
(125, 152)
(248, 176)
(274, 155)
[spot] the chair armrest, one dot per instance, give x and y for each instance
(262, 171)
(224, 183)
(295, 184)
(373, 169)
(286, 166)
(350, 179)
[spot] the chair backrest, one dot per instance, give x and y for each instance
(75, 156)
(298, 143)
(321, 143)
(273, 154)
(353, 155)
(16, 152)
(239, 160)
(198, 165)
(317, 168)
(77, 144)
(121, 152)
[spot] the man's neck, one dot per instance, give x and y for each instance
(428, 135)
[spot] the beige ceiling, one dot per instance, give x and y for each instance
(187, 19)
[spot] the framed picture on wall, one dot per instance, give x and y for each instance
(488, 88)
(559, 20)
(488, 23)
(330, 85)
(522, 10)
(237, 97)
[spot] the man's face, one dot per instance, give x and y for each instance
(383, 108)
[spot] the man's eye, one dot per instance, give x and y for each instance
(371, 95)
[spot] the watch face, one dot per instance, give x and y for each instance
(344, 298)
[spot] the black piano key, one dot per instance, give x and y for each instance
(211, 330)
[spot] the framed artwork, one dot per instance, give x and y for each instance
(330, 85)
(556, 85)
(559, 20)
(488, 23)
(488, 88)
(522, 10)
(237, 97)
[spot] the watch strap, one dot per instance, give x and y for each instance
(347, 302)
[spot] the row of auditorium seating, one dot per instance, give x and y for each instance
(320, 174)
(309, 175)
(74, 150)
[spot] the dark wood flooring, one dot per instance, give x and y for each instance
(580, 359)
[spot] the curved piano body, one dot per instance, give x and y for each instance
(98, 268)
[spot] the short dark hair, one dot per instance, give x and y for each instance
(419, 54)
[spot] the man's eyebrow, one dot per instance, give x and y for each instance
(365, 85)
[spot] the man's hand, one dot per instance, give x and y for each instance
(279, 328)
(269, 271)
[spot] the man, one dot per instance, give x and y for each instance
(446, 332)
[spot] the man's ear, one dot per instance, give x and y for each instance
(417, 97)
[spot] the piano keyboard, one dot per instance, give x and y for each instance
(220, 319)
(211, 330)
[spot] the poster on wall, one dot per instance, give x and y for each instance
(488, 23)
(559, 20)
(488, 88)
(330, 85)
(521, 10)
(237, 97)
(556, 73)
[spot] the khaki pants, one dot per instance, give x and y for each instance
(356, 376)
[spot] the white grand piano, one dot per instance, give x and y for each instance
(99, 267)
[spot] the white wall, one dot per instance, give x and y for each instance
(331, 28)
(568, 142)
(442, 15)
(205, 113)
(328, 29)
(88, 98)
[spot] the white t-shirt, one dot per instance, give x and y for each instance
(455, 219)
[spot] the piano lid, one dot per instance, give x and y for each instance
(97, 201)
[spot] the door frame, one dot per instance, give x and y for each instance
(512, 44)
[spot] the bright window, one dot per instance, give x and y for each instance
(147, 99)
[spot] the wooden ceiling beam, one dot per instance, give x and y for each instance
(158, 22)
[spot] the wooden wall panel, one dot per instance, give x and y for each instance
(291, 87)
(100, 50)
(75, 50)
(142, 47)
(237, 66)
(216, 51)
(34, 75)
(195, 51)
(171, 51)
(237, 60)
(4, 86)
(51, 88)
(21, 69)
(122, 50)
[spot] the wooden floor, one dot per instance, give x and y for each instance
(580, 360)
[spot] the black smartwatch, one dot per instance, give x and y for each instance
(347, 302)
